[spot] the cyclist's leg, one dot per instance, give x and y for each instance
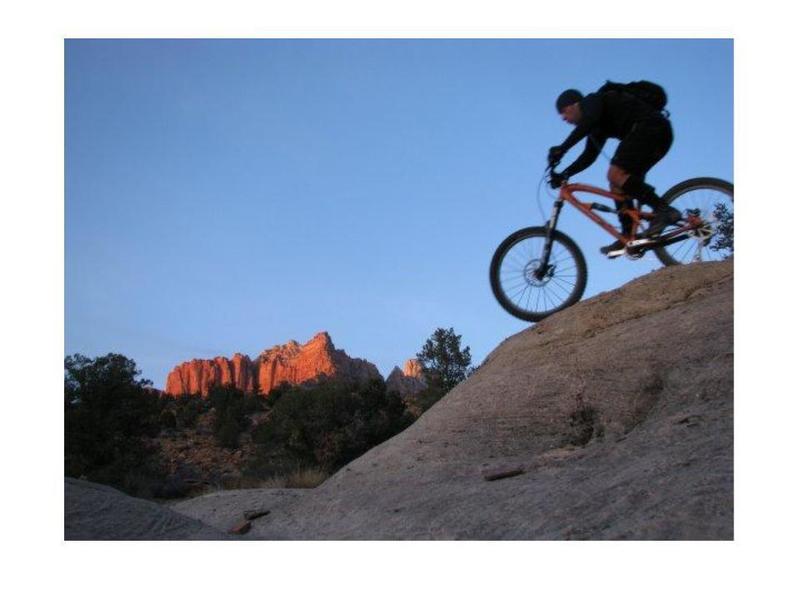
(636, 154)
(647, 144)
(617, 176)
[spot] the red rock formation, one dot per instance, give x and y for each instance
(290, 363)
(413, 368)
(316, 359)
(407, 382)
(198, 376)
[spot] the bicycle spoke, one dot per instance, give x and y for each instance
(513, 277)
(559, 298)
(519, 263)
(698, 253)
(512, 289)
(538, 298)
(520, 290)
(567, 290)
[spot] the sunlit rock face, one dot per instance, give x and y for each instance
(316, 359)
(413, 368)
(408, 381)
(291, 363)
(198, 376)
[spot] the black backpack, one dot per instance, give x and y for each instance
(651, 93)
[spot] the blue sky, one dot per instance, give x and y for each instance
(227, 195)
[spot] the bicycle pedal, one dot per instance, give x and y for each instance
(615, 253)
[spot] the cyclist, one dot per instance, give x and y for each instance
(645, 134)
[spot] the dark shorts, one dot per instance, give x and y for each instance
(644, 146)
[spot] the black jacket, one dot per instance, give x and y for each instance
(603, 116)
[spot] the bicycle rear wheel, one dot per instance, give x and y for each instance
(712, 200)
(513, 274)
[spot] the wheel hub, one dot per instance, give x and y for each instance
(703, 232)
(531, 270)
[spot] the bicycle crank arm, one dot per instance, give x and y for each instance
(678, 238)
(647, 243)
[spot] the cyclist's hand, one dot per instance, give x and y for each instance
(555, 155)
(556, 180)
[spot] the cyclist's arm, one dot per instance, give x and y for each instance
(592, 111)
(587, 157)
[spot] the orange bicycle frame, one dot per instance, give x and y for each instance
(587, 208)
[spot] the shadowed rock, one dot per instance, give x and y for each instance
(98, 512)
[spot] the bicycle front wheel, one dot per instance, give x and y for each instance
(527, 289)
(712, 200)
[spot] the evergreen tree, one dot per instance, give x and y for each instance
(724, 237)
(109, 414)
(444, 364)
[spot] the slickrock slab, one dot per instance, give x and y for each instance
(98, 512)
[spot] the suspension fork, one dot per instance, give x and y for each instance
(550, 227)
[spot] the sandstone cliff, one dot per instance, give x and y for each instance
(408, 381)
(291, 363)
(316, 359)
(198, 376)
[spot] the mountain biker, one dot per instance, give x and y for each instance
(645, 136)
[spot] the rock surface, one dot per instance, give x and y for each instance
(222, 510)
(316, 359)
(291, 363)
(98, 512)
(619, 412)
(198, 376)
(407, 382)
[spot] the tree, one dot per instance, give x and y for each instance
(109, 412)
(724, 238)
(444, 364)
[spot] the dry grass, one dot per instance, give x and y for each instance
(301, 478)
(298, 479)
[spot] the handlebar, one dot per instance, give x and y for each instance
(550, 169)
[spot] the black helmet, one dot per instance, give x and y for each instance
(567, 98)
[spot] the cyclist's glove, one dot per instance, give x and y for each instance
(556, 179)
(555, 155)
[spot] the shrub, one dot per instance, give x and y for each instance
(231, 407)
(584, 426)
(330, 424)
(188, 410)
(167, 419)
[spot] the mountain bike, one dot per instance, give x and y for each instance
(538, 271)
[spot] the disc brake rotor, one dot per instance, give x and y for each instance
(530, 273)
